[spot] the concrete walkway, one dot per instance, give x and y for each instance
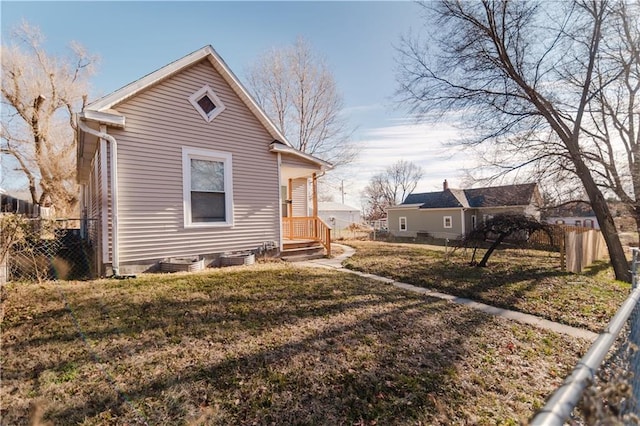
(336, 263)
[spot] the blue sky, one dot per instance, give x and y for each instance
(356, 38)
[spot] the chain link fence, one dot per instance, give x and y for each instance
(42, 249)
(604, 388)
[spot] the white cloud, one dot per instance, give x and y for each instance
(427, 145)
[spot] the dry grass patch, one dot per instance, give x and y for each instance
(267, 344)
(523, 280)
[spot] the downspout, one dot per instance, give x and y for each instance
(280, 242)
(115, 258)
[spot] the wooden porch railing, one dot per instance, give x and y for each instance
(307, 228)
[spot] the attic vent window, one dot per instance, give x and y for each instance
(207, 103)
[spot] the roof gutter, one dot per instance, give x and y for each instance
(115, 258)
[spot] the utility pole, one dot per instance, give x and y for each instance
(342, 190)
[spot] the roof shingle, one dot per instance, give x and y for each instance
(496, 196)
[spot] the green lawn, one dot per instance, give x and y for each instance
(524, 280)
(266, 344)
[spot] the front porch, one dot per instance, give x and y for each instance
(302, 230)
(305, 232)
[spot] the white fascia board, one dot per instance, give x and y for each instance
(221, 66)
(107, 118)
(285, 149)
(148, 80)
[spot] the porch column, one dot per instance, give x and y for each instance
(315, 195)
(290, 198)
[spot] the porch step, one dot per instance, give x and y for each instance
(296, 244)
(297, 254)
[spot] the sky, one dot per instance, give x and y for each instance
(357, 39)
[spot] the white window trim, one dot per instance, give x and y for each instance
(205, 154)
(400, 223)
(207, 90)
(444, 222)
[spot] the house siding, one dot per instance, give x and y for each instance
(94, 212)
(424, 220)
(299, 197)
(160, 121)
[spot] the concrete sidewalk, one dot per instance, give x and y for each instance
(336, 263)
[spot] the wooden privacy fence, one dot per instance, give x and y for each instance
(579, 247)
(583, 248)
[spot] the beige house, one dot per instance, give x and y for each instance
(183, 162)
(453, 213)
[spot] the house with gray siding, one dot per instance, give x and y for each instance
(183, 162)
(453, 213)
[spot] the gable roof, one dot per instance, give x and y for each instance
(108, 102)
(434, 200)
(495, 196)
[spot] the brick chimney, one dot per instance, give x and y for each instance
(445, 185)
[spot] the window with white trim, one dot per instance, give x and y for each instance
(207, 187)
(403, 223)
(207, 103)
(448, 222)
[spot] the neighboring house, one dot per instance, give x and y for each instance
(16, 203)
(575, 213)
(183, 162)
(453, 213)
(338, 216)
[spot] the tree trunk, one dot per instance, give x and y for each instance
(636, 214)
(607, 227)
(487, 255)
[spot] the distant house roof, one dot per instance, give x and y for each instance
(434, 200)
(495, 196)
(509, 195)
(571, 209)
(336, 207)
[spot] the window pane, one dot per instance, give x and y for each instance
(207, 175)
(206, 104)
(207, 207)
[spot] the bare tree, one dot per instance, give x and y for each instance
(614, 109)
(526, 75)
(298, 92)
(390, 187)
(501, 227)
(39, 96)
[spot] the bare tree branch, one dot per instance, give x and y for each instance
(39, 96)
(543, 83)
(298, 92)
